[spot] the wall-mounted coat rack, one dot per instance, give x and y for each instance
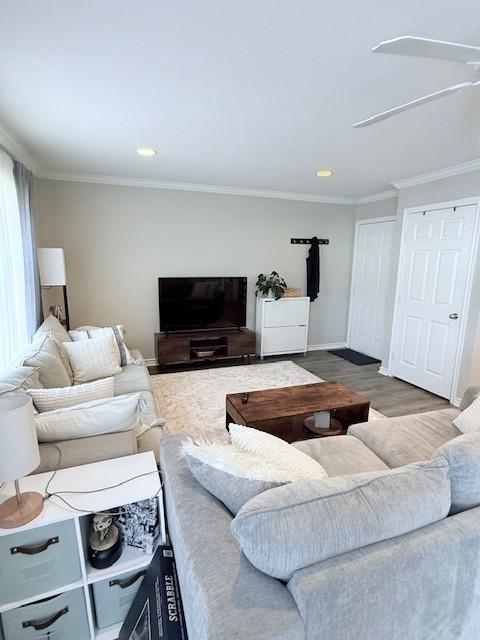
(308, 241)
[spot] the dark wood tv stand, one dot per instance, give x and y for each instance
(188, 347)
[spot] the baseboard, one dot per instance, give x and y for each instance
(326, 346)
(385, 372)
(456, 402)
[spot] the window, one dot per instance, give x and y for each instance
(13, 316)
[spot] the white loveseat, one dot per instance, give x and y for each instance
(40, 366)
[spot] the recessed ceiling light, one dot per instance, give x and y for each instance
(146, 152)
(324, 173)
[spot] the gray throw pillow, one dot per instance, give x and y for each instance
(234, 491)
(299, 524)
(19, 379)
(44, 355)
(463, 455)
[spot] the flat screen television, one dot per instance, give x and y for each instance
(189, 304)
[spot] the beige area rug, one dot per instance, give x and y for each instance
(193, 402)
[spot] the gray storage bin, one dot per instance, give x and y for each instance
(114, 596)
(63, 617)
(38, 560)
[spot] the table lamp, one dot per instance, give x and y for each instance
(19, 455)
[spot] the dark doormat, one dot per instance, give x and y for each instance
(355, 357)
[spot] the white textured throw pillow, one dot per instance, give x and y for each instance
(233, 459)
(117, 331)
(296, 464)
(93, 359)
(63, 397)
(89, 419)
(230, 473)
(469, 419)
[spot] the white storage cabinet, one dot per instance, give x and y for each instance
(47, 587)
(281, 326)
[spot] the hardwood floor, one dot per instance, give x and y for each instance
(390, 396)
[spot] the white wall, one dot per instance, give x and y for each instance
(119, 240)
(378, 209)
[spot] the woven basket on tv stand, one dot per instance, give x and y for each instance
(292, 292)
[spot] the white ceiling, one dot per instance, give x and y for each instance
(255, 94)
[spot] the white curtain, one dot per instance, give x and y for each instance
(13, 314)
(24, 183)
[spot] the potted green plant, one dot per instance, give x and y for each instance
(273, 283)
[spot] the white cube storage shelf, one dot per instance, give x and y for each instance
(47, 558)
(281, 326)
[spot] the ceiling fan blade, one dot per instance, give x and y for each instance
(427, 48)
(415, 103)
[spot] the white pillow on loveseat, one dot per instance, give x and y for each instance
(118, 333)
(93, 359)
(52, 328)
(63, 397)
(89, 419)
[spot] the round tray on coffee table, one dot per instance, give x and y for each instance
(335, 428)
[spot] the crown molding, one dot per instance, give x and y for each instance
(14, 147)
(440, 174)
(186, 186)
(376, 197)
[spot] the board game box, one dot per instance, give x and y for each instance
(156, 612)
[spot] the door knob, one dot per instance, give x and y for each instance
(453, 316)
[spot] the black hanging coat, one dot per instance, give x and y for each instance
(313, 270)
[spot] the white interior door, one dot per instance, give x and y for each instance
(371, 287)
(434, 271)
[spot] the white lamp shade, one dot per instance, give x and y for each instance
(19, 454)
(51, 263)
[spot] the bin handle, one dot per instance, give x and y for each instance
(35, 548)
(44, 624)
(123, 584)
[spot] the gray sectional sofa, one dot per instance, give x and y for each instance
(422, 585)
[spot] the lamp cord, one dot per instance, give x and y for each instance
(58, 494)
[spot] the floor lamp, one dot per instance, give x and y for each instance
(53, 280)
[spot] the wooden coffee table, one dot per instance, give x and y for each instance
(282, 412)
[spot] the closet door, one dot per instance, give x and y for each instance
(434, 271)
(371, 286)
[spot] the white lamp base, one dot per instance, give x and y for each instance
(16, 512)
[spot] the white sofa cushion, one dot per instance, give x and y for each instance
(63, 397)
(301, 523)
(89, 419)
(53, 328)
(118, 333)
(93, 359)
(298, 465)
(43, 354)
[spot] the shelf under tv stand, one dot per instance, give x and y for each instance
(188, 347)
